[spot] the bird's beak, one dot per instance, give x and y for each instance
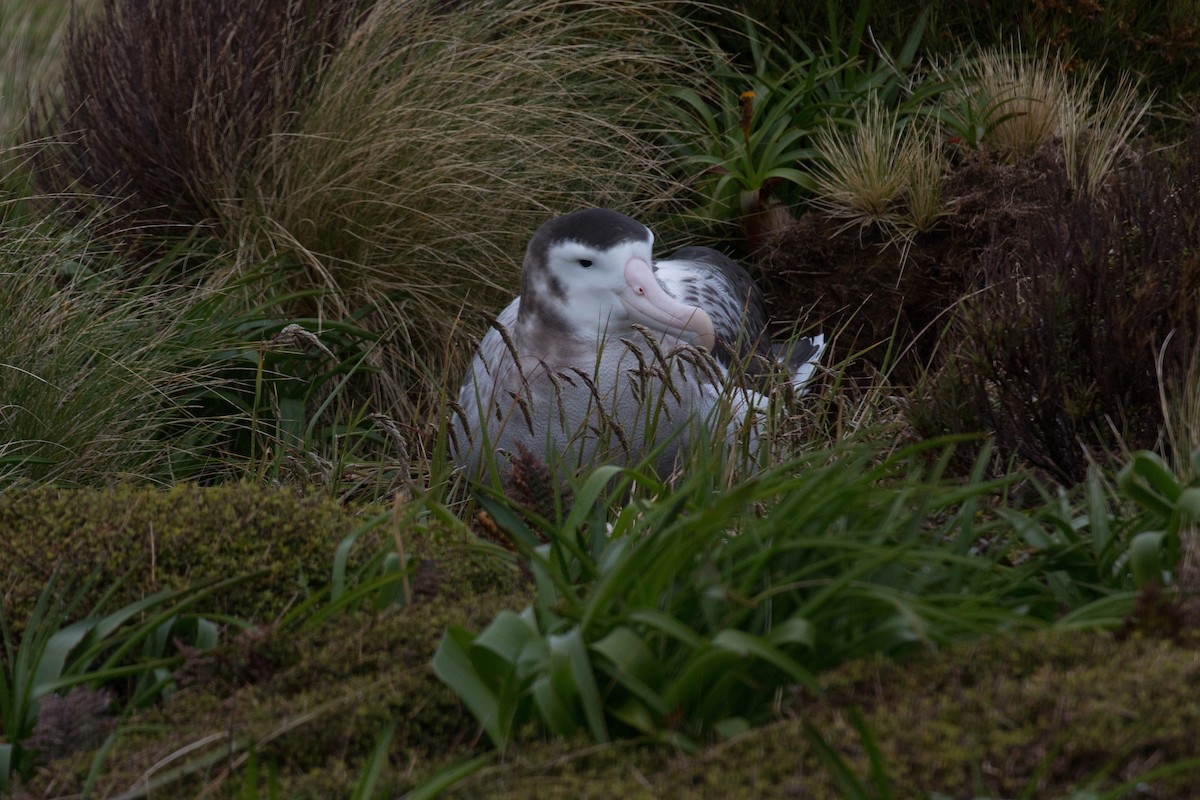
(648, 303)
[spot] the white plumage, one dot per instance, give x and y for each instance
(604, 358)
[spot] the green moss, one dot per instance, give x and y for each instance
(975, 721)
(169, 539)
(316, 713)
(980, 720)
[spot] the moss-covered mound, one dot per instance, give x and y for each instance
(1055, 711)
(168, 539)
(308, 699)
(309, 702)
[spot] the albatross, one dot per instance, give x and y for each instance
(607, 356)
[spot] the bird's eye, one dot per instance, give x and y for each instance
(585, 262)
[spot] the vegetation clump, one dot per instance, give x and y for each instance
(320, 690)
(1049, 714)
(165, 104)
(143, 539)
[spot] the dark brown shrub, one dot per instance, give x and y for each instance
(163, 100)
(1057, 352)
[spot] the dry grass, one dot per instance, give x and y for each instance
(1179, 394)
(1030, 101)
(860, 179)
(1099, 131)
(436, 144)
(1025, 96)
(884, 170)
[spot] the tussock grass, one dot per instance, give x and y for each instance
(94, 373)
(1099, 133)
(1030, 101)
(437, 143)
(883, 169)
(163, 103)
(1026, 94)
(29, 52)
(860, 180)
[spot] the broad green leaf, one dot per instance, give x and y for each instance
(53, 663)
(557, 712)
(506, 636)
(574, 681)
(796, 630)
(453, 667)
(1188, 504)
(745, 644)
(1145, 557)
(636, 715)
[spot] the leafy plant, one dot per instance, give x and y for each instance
(759, 124)
(1171, 508)
(697, 605)
(97, 650)
(755, 128)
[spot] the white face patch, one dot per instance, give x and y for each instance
(585, 283)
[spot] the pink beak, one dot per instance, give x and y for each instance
(648, 303)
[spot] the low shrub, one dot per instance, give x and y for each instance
(1080, 310)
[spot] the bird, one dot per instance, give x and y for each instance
(607, 356)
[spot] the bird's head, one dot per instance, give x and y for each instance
(589, 273)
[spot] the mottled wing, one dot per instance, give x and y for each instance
(711, 280)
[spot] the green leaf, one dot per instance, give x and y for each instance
(572, 680)
(7, 755)
(453, 667)
(1145, 557)
(745, 644)
(506, 636)
(53, 663)
(1098, 516)
(1188, 503)
(666, 624)
(365, 789)
(556, 711)
(796, 630)
(585, 499)
(1160, 490)
(1105, 613)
